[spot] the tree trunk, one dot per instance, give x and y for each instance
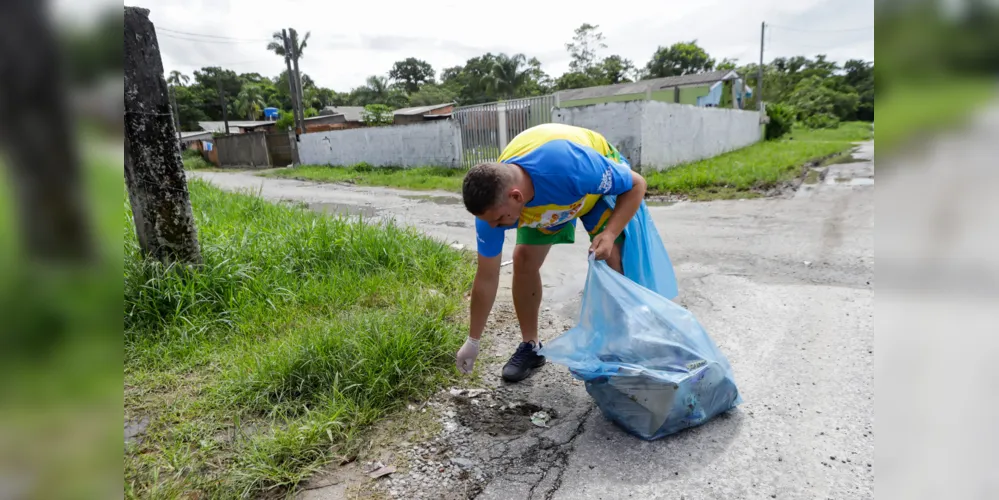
(157, 188)
(38, 136)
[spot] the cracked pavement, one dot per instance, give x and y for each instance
(783, 285)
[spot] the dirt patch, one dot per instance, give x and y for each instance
(496, 418)
(440, 200)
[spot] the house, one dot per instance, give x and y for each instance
(349, 113)
(235, 126)
(701, 89)
(195, 136)
(419, 114)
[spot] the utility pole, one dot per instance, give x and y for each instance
(176, 113)
(292, 81)
(293, 35)
(154, 174)
(225, 113)
(759, 71)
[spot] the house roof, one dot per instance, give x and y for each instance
(647, 85)
(220, 126)
(194, 133)
(350, 113)
(421, 110)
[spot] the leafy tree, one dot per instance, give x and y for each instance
(818, 105)
(377, 114)
(178, 79)
(575, 80)
(432, 93)
(412, 73)
(682, 58)
(508, 74)
(277, 43)
(586, 41)
(727, 64)
(860, 75)
(250, 102)
(286, 121)
(614, 69)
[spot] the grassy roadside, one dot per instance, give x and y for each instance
(747, 172)
(739, 174)
(298, 332)
(420, 178)
(912, 108)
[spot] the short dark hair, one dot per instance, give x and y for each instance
(484, 185)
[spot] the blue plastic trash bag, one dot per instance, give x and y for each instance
(643, 255)
(647, 362)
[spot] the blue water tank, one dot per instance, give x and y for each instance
(271, 113)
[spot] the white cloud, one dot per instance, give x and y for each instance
(351, 41)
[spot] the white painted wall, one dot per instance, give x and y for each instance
(619, 122)
(656, 135)
(675, 133)
(436, 143)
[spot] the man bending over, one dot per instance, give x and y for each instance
(546, 178)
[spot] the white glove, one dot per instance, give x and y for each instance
(467, 354)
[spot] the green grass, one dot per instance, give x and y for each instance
(913, 108)
(747, 172)
(194, 161)
(419, 178)
(297, 333)
(60, 346)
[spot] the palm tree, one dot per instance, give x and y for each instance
(178, 79)
(277, 45)
(507, 75)
(250, 101)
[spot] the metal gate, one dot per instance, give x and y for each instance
(486, 128)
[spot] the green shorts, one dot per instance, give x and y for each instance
(594, 222)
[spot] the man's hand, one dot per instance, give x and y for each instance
(603, 245)
(466, 355)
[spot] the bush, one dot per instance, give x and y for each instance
(190, 153)
(781, 121)
(821, 120)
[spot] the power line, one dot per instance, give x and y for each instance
(820, 31)
(169, 30)
(199, 40)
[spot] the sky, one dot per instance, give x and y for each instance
(353, 40)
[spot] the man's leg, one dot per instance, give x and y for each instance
(527, 261)
(528, 256)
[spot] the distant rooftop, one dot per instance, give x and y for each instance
(421, 110)
(643, 86)
(220, 126)
(350, 113)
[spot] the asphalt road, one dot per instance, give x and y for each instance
(783, 285)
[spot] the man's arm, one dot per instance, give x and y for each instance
(483, 294)
(627, 205)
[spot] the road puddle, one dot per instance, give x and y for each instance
(440, 200)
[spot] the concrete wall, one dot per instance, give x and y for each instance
(619, 122)
(436, 143)
(673, 134)
(656, 135)
(243, 150)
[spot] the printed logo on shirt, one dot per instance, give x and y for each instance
(606, 182)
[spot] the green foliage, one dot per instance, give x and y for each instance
(818, 105)
(412, 73)
(681, 58)
(297, 332)
(507, 74)
(196, 162)
(432, 93)
(762, 166)
(285, 121)
(377, 115)
(310, 112)
(781, 121)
